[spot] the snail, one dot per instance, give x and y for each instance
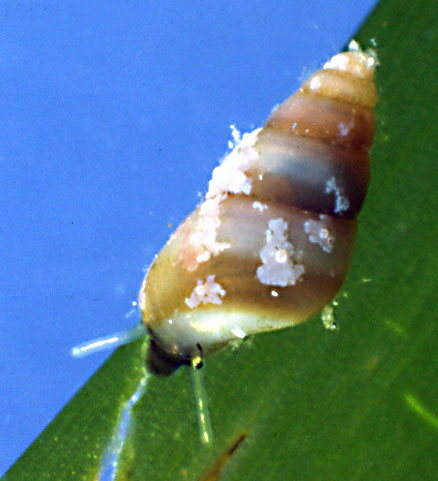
(270, 244)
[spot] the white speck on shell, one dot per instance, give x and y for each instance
(259, 206)
(279, 267)
(238, 332)
(208, 292)
(345, 129)
(354, 46)
(315, 84)
(341, 202)
(318, 233)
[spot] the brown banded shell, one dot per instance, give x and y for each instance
(271, 243)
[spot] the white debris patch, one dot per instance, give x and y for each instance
(259, 206)
(315, 83)
(345, 129)
(236, 135)
(318, 233)
(355, 61)
(203, 238)
(230, 177)
(238, 332)
(279, 267)
(354, 46)
(208, 292)
(341, 202)
(338, 62)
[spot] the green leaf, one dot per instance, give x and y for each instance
(306, 404)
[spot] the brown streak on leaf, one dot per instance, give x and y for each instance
(213, 473)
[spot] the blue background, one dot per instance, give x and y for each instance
(112, 116)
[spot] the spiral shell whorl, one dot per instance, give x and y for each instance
(314, 146)
(348, 76)
(271, 243)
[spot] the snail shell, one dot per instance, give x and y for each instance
(271, 243)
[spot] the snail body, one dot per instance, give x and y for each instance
(271, 243)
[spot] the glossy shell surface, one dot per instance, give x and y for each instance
(271, 243)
